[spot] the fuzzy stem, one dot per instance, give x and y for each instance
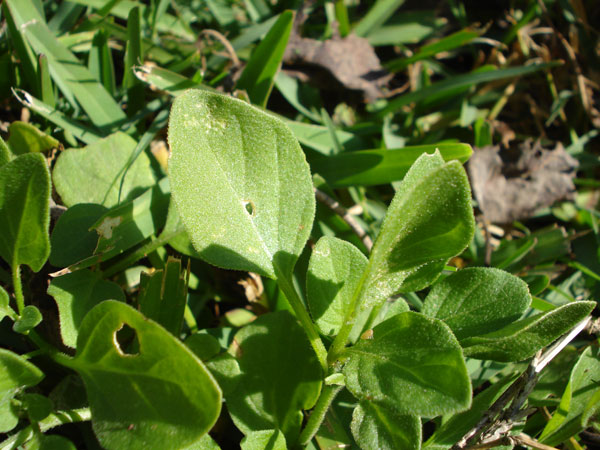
(18, 288)
(318, 413)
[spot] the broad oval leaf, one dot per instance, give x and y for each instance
(29, 319)
(429, 221)
(241, 183)
(334, 271)
(25, 211)
(157, 396)
(16, 373)
(477, 301)
(280, 376)
(378, 426)
(104, 162)
(522, 339)
(412, 364)
(25, 138)
(76, 293)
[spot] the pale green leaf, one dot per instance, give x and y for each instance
(412, 364)
(522, 339)
(93, 174)
(203, 345)
(16, 373)
(142, 398)
(25, 211)
(77, 293)
(264, 440)
(241, 183)
(280, 376)
(5, 154)
(334, 271)
(477, 301)
(25, 138)
(378, 426)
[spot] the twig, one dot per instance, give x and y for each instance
(347, 217)
(519, 391)
(521, 439)
(223, 40)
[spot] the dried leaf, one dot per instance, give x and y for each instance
(513, 184)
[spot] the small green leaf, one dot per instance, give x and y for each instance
(25, 211)
(25, 138)
(103, 162)
(334, 271)
(241, 183)
(16, 373)
(163, 295)
(38, 407)
(412, 364)
(264, 440)
(579, 402)
(5, 309)
(477, 301)
(522, 339)
(143, 399)
(280, 376)
(259, 74)
(378, 426)
(76, 294)
(30, 318)
(52, 442)
(226, 371)
(72, 240)
(203, 345)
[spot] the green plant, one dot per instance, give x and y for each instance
(243, 196)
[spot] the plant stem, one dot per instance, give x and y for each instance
(18, 288)
(302, 315)
(53, 420)
(318, 413)
(140, 253)
(52, 352)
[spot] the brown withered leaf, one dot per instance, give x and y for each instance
(512, 184)
(350, 60)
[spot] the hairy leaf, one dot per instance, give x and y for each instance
(16, 373)
(280, 376)
(76, 294)
(412, 364)
(241, 183)
(477, 301)
(522, 339)
(25, 211)
(141, 396)
(334, 271)
(104, 162)
(379, 426)
(264, 440)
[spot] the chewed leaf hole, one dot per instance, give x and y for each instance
(126, 341)
(249, 205)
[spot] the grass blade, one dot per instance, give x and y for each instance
(381, 11)
(259, 74)
(460, 81)
(372, 167)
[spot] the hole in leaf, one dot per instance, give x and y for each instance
(249, 207)
(126, 341)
